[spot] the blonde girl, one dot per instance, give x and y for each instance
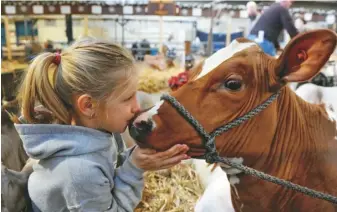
(72, 103)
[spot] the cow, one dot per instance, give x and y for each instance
(290, 139)
(319, 95)
(13, 155)
(216, 196)
(14, 191)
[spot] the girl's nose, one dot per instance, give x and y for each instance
(135, 107)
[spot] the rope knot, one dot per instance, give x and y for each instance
(211, 157)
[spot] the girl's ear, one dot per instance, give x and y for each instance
(86, 105)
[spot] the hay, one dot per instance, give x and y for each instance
(171, 190)
(153, 81)
(10, 66)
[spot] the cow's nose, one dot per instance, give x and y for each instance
(140, 127)
(143, 123)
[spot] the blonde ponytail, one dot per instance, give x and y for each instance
(37, 88)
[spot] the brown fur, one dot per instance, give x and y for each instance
(291, 139)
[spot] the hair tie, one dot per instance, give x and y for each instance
(57, 59)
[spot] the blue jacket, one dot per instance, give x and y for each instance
(76, 170)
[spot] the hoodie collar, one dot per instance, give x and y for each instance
(53, 140)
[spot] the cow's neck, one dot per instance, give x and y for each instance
(281, 143)
(303, 133)
(297, 144)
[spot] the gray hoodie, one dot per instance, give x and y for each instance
(76, 171)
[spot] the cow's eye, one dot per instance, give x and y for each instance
(233, 84)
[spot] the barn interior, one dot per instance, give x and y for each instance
(167, 39)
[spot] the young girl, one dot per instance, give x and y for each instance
(84, 95)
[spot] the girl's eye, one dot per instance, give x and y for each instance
(128, 99)
(232, 84)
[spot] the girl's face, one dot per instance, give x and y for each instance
(116, 113)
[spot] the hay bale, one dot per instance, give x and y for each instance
(153, 81)
(176, 190)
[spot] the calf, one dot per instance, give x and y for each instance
(13, 156)
(290, 139)
(320, 95)
(14, 192)
(216, 196)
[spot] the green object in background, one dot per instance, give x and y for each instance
(21, 31)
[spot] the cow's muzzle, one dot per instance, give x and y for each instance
(140, 127)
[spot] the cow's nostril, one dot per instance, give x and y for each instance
(145, 126)
(140, 128)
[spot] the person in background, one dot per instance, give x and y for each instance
(253, 14)
(169, 46)
(300, 23)
(270, 25)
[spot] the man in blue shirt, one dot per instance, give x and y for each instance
(272, 22)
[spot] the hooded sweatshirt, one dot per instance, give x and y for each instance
(76, 170)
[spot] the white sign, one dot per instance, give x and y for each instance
(51, 8)
(330, 19)
(23, 9)
(95, 9)
(80, 9)
(65, 9)
(138, 9)
(308, 16)
(128, 10)
(9, 9)
(38, 9)
(243, 14)
(196, 12)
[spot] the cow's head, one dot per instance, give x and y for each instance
(230, 83)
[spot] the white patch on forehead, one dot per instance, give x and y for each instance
(154, 110)
(222, 55)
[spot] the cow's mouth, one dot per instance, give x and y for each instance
(196, 152)
(140, 126)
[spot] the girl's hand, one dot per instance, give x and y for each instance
(150, 159)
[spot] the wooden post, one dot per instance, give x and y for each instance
(187, 47)
(161, 34)
(123, 29)
(69, 28)
(86, 24)
(26, 26)
(229, 32)
(209, 50)
(116, 34)
(8, 40)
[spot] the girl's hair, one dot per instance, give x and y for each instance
(89, 66)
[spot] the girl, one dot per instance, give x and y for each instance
(85, 94)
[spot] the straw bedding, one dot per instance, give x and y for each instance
(171, 190)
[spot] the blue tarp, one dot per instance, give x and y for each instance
(20, 29)
(219, 39)
(3, 35)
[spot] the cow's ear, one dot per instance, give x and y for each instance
(305, 55)
(195, 71)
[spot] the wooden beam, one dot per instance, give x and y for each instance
(187, 47)
(228, 31)
(161, 33)
(86, 24)
(209, 50)
(8, 40)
